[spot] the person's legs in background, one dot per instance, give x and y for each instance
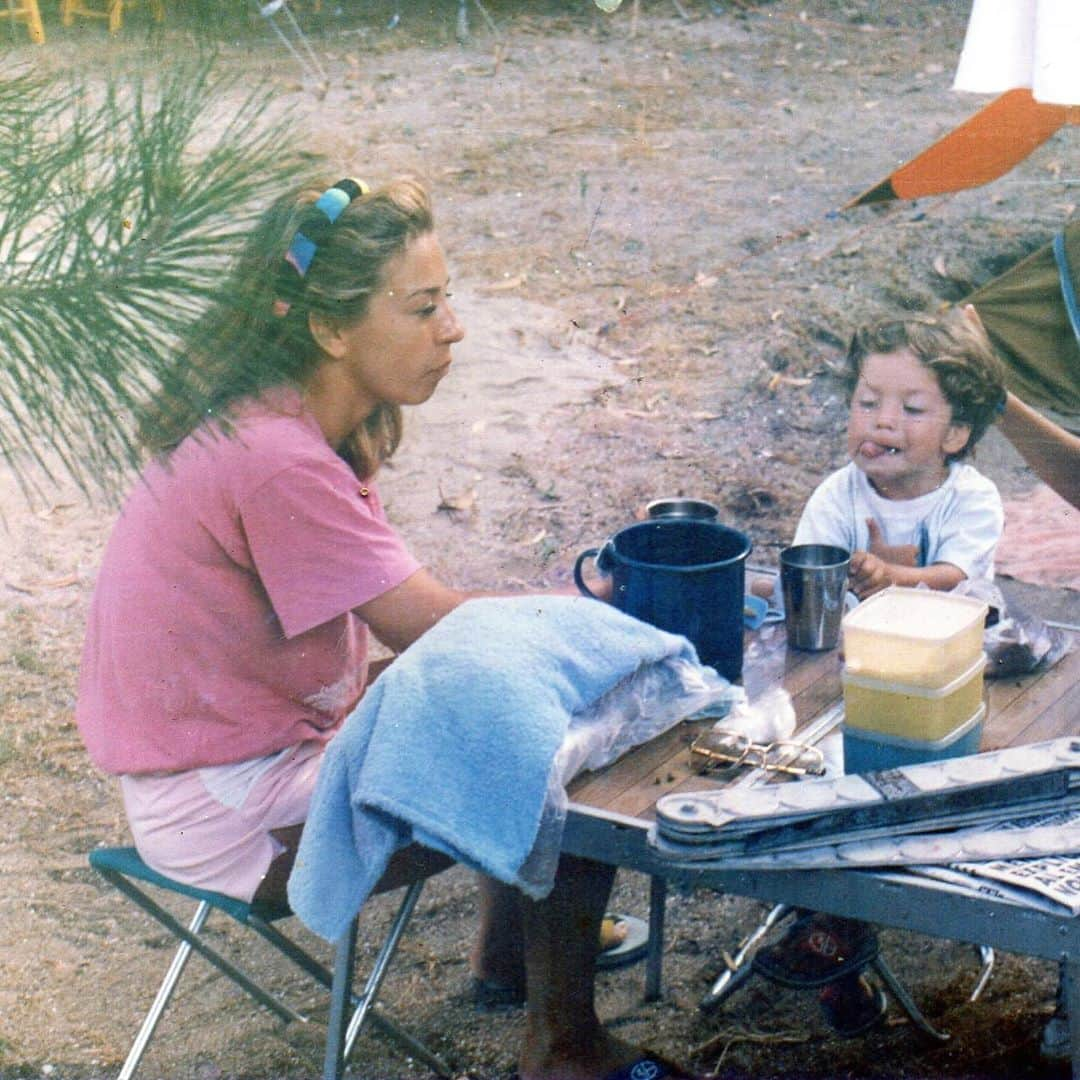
(497, 959)
(563, 1036)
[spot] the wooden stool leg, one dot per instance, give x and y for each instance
(116, 15)
(67, 12)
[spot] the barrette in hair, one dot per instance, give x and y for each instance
(303, 247)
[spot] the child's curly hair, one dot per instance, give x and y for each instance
(955, 349)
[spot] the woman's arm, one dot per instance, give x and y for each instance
(400, 615)
(1051, 451)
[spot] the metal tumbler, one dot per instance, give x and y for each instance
(814, 580)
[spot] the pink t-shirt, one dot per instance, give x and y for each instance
(221, 626)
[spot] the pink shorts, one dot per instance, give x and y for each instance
(211, 827)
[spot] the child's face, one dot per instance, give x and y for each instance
(900, 427)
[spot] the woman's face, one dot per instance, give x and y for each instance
(400, 350)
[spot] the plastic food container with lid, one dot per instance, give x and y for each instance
(913, 712)
(870, 751)
(915, 636)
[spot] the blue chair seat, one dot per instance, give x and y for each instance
(127, 861)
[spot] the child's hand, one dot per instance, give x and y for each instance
(898, 554)
(763, 587)
(868, 574)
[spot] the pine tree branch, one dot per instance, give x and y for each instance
(121, 210)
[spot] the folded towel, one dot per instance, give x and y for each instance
(453, 744)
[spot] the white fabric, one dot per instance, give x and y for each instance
(1034, 43)
(231, 784)
(959, 523)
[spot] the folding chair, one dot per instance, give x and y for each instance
(26, 12)
(112, 10)
(123, 868)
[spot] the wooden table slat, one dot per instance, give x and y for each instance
(1041, 694)
(636, 768)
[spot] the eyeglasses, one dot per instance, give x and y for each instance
(720, 748)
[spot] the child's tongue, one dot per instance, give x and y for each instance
(872, 449)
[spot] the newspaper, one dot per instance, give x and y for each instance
(1053, 878)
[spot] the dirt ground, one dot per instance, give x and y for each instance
(642, 219)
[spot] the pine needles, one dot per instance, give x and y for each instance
(120, 209)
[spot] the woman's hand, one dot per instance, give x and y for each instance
(601, 587)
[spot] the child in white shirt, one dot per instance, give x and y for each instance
(922, 392)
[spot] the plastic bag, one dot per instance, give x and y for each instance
(1015, 642)
(771, 718)
(656, 697)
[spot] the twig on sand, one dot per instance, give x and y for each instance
(724, 1040)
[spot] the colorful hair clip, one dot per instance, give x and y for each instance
(303, 248)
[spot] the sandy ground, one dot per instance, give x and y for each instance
(642, 222)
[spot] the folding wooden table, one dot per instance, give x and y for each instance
(611, 812)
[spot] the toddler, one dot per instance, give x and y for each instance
(922, 392)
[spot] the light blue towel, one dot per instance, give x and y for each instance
(453, 744)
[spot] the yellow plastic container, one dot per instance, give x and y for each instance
(913, 636)
(913, 712)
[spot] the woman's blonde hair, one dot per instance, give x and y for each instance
(955, 349)
(256, 335)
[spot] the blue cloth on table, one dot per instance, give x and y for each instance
(453, 744)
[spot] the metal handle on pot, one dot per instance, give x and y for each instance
(579, 581)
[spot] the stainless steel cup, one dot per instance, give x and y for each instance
(814, 580)
(682, 508)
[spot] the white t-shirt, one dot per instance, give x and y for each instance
(958, 523)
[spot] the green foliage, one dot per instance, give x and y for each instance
(120, 208)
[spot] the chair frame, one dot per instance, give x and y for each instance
(26, 12)
(119, 866)
(112, 11)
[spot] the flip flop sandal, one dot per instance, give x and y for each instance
(648, 1066)
(852, 1006)
(651, 1066)
(818, 949)
(633, 947)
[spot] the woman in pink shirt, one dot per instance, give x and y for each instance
(227, 637)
